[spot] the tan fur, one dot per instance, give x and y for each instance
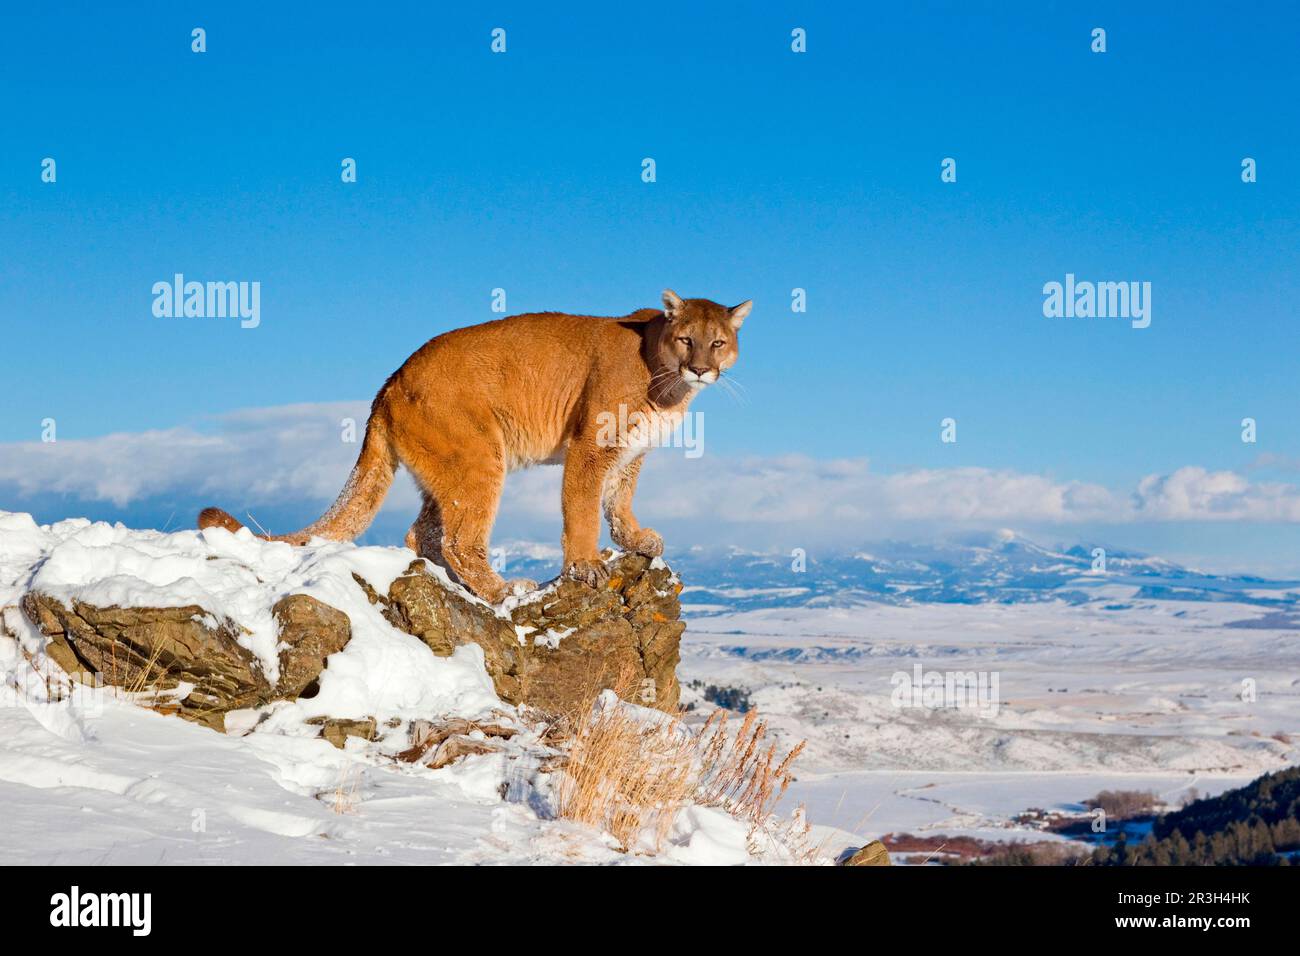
(478, 402)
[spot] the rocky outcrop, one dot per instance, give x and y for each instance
(873, 854)
(556, 649)
(153, 649)
(312, 631)
(564, 644)
(337, 730)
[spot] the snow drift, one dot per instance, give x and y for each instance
(354, 685)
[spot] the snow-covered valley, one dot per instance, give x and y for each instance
(1119, 692)
(927, 709)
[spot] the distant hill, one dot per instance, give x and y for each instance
(1003, 568)
(1256, 825)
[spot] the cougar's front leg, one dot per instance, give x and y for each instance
(623, 526)
(585, 468)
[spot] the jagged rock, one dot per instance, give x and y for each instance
(873, 854)
(337, 730)
(555, 651)
(157, 649)
(420, 603)
(576, 639)
(632, 626)
(154, 649)
(313, 631)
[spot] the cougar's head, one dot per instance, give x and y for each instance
(699, 338)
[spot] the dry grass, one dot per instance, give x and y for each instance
(145, 687)
(146, 680)
(627, 776)
(737, 773)
(630, 776)
(346, 797)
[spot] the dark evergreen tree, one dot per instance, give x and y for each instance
(1256, 825)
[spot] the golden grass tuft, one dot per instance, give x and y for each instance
(150, 673)
(627, 776)
(743, 778)
(630, 776)
(346, 797)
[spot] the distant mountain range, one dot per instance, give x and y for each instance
(1001, 568)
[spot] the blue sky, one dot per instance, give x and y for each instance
(775, 170)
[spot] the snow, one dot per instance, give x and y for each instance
(551, 638)
(1122, 691)
(383, 672)
(89, 776)
(1148, 697)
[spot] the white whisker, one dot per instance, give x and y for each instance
(734, 389)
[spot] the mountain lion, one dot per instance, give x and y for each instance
(476, 403)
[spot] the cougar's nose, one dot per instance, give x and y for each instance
(697, 370)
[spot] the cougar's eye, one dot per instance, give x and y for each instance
(685, 341)
(719, 343)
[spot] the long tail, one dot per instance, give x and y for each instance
(357, 503)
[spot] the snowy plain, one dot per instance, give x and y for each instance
(1101, 682)
(1115, 693)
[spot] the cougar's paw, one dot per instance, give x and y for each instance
(648, 543)
(591, 573)
(518, 586)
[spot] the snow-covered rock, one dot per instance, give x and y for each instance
(218, 623)
(373, 709)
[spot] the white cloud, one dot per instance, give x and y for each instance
(293, 455)
(272, 454)
(799, 489)
(1195, 494)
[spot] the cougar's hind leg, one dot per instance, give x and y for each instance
(425, 536)
(467, 495)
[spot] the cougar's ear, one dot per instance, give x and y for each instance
(737, 313)
(673, 305)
